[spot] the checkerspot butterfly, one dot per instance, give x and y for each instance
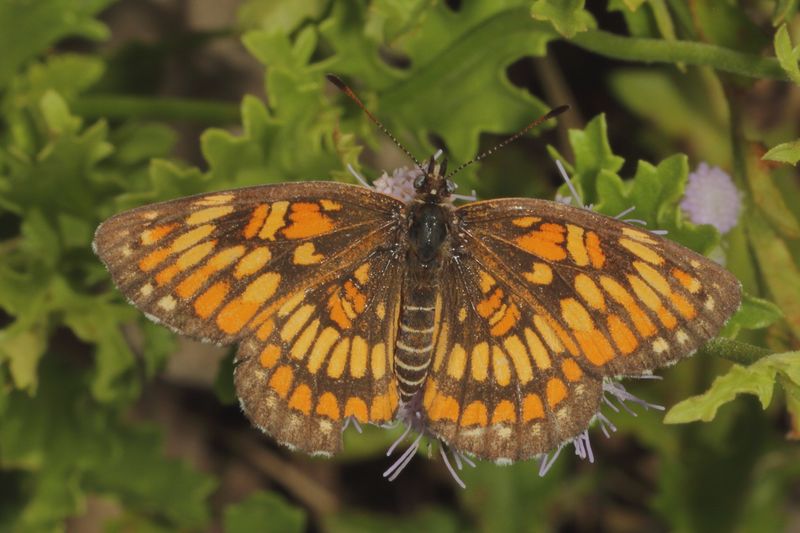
(498, 320)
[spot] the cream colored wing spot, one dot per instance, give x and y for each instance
(305, 254)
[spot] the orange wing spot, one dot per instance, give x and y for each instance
(153, 259)
(500, 366)
(532, 408)
(152, 236)
(355, 297)
(638, 235)
(491, 304)
(689, 282)
(542, 274)
(274, 220)
(257, 218)
(641, 251)
(506, 322)
(328, 406)
(206, 303)
(305, 254)
(235, 315)
(190, 238)
(336, 312)
(444, 408)
(571, 370)
(504, 412)
(269, 356)
(545, 242)
(321, 348)
(622, 336)
(301, 399)
(596, 255)
(338, 359)
(303, 343)
(293, 324)
(475, 415)
(486, 281)
(640, 320)
(265, 330)
(362, 274)
(378, 360)
(430, 393)
(539, 353)
(556, 392)
(281, 381)
(575, 315)
(195, 254)
(457, 362)
(480, 361)
(548, 335)
(441, 346)
(216, 199)
(359, 349)
(575, 246)
(525, 222)
(653, 277)
(262, 288)
(519, 356)
(381, 408)
(595, 346)
(684, 307)
(167, 274)
(208, 214)
(357, 408)
(563, 336)
(330, 205)
(651, 300)
(307, 221)
(252, 262)
(590, 292)
(199, 277)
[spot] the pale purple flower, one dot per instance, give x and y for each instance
(711, 197)
(400, 184)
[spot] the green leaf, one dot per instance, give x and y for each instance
(264, 511)
(788, 56)
(756, 313)
(28, 28)
(788, 152)
(757, 379)
(567, 16)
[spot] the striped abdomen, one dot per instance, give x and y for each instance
(415, 338)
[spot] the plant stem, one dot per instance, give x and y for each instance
(736, 351)
(689, 52)
(127, 107)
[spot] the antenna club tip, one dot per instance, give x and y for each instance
(336, 80)
(557, 111)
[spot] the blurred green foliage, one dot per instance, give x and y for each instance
(75, 357)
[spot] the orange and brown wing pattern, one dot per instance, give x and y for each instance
(505, 382)
(214, 266)
(325, 354)
(546, 301)
(630, 300)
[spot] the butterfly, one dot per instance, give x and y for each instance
(494, 322)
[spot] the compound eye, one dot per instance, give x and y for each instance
(419, 181)
(451, 186)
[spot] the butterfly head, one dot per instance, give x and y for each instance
(433, 184)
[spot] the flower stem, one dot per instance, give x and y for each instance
(127, 107)
(736, 351)
(689, 52)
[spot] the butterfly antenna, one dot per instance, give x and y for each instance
(342, 86)
(550, 114)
